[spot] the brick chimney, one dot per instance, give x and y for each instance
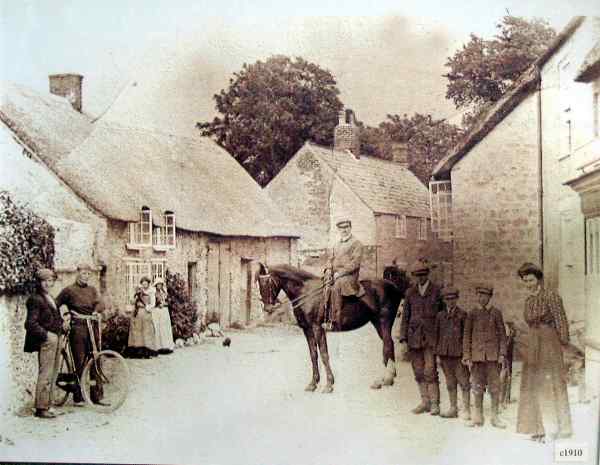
(67, 86)
(345, 136)
(400, 153)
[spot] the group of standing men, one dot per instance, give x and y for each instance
(469, 345)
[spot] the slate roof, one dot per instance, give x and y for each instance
(384, 186)
(526, 83)
(590, 68)
(118, 169)
(46, 123)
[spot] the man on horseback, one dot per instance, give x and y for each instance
(341, 275)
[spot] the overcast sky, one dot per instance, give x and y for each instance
(158, 63)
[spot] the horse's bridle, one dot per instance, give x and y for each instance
(272, 287)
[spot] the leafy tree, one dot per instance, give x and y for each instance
(183, 310)
(270, 109)
(26, 243)
(428, 139)
(483, 70)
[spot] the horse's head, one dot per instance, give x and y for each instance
(269, 287)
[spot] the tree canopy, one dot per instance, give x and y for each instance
(270, 109)
(482, 70)
(428, 140)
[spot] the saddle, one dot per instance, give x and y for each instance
(350, 303)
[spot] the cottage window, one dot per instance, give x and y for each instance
(596, 114)
(159, 268)
(164, 236)
(140, 233)
(422, 229)
(440, 204)
(593, 246)
(401, 227)
(134, 271)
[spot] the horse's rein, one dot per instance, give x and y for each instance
(294, 302)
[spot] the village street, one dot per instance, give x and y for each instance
(246, 405)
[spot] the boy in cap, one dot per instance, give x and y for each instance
(422, 303)
(450, 326)
(484, 351)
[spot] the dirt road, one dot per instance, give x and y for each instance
(246, 405)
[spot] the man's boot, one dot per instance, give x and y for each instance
(424, 406)
(453, 411)
(466, 400)
(434, 396)
(478, 413)
(496, 422)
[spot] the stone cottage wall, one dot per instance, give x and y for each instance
(495, 206)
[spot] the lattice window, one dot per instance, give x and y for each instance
(422, 229)
(134, 271)
(440, 204)
(400, 230)
(592, 227)
(164, 235)
(159, 268)
(140, 233)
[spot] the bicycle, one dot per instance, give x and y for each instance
(104, 371)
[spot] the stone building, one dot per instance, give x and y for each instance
(134, 202)
(521, 187)
(387, 204)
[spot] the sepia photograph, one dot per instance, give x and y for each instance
(313, 233)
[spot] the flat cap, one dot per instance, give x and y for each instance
(84, 267)
(484, 289)
(420, 267)
(450, 292)
(343, 223)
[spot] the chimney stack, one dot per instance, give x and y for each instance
(67, 86)
(345, 136)
(400, 153)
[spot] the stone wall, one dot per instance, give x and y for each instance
(495, 203)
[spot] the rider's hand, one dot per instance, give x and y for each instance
(336, 275)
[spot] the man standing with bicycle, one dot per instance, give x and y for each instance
(81, 298)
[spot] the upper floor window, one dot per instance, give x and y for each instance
(140, 233)
(440, 204)
(164, 235)
(400, 230)
(422, 229)
(596, 114)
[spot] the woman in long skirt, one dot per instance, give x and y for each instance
(162, 319)
(142, 333)
(543, 396)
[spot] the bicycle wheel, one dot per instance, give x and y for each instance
(105, 381)
(60, 390)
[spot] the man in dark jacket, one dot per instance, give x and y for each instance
(82, 298)
(450, 327)
(343, 268)
(484, 350)
(418, 329)
(43, 328)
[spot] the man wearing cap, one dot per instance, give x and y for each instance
(81, 297)
(422, 303)
(450, 326)
(343, 268)
(484, 350)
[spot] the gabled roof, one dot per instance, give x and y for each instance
(120, 169)
(526, 83)
(47, 124)
(590, 68)
(384, 186)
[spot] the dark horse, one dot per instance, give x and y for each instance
(304, 291)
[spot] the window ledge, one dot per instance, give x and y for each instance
(132, 246)
(162, 247)
(563, 157)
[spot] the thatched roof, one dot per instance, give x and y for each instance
(590, 69)
(384, 186)
(47, 124)
(526, 83)
(120, 169)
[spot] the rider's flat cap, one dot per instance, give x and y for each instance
(450, 292)
(420, 267)
(484, 289)
(343, 223)
(84, 267)
(45, 274)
